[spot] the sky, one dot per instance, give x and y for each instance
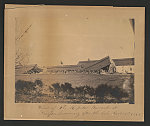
(70, 36)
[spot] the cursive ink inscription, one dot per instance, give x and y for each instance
(77, 111)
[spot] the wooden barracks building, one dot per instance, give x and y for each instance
(102, 66)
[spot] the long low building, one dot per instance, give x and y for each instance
(125, 65)
(27, 69)
(101, 66)
(90, 66)
(64, 68)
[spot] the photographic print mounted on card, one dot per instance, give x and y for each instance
(80, 62)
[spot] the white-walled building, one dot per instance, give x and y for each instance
(125, 65)
(105, 65)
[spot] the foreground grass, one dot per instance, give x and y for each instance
(51, 99)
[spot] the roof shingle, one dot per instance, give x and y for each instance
(124, 62)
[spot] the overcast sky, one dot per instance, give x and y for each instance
(71, 35)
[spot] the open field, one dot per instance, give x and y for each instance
(77, 79)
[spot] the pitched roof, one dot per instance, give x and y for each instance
(99, 64)
(24, 69)
(124, 61)
(85, 64)
(64, 67)
(95, 64)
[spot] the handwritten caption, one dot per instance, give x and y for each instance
(78, 111)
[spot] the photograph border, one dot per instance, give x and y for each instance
(128, 3)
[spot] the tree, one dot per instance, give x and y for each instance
(21, 57)
(102, 91)
(89, 90)
(79, 90)
(39, 83)
(22, 54)
(28, 87)
(67, 89)
(38, 87)
(118, 93)
(24, 87)
(51, 89)
(57, 88)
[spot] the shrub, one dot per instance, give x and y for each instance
(79, 91)
(51, 89)
(89, 90)
(56, 88)
(26, 87)
(39, 83)
(102, 90)
(118, 93)
(66, 87)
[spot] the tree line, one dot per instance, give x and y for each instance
(100, 93)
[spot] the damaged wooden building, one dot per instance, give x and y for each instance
(101, 66)
(105, 65)
(27, 69)
(91, 66)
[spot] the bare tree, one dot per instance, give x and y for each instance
(22, 56)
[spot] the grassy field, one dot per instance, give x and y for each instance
(77, 79)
